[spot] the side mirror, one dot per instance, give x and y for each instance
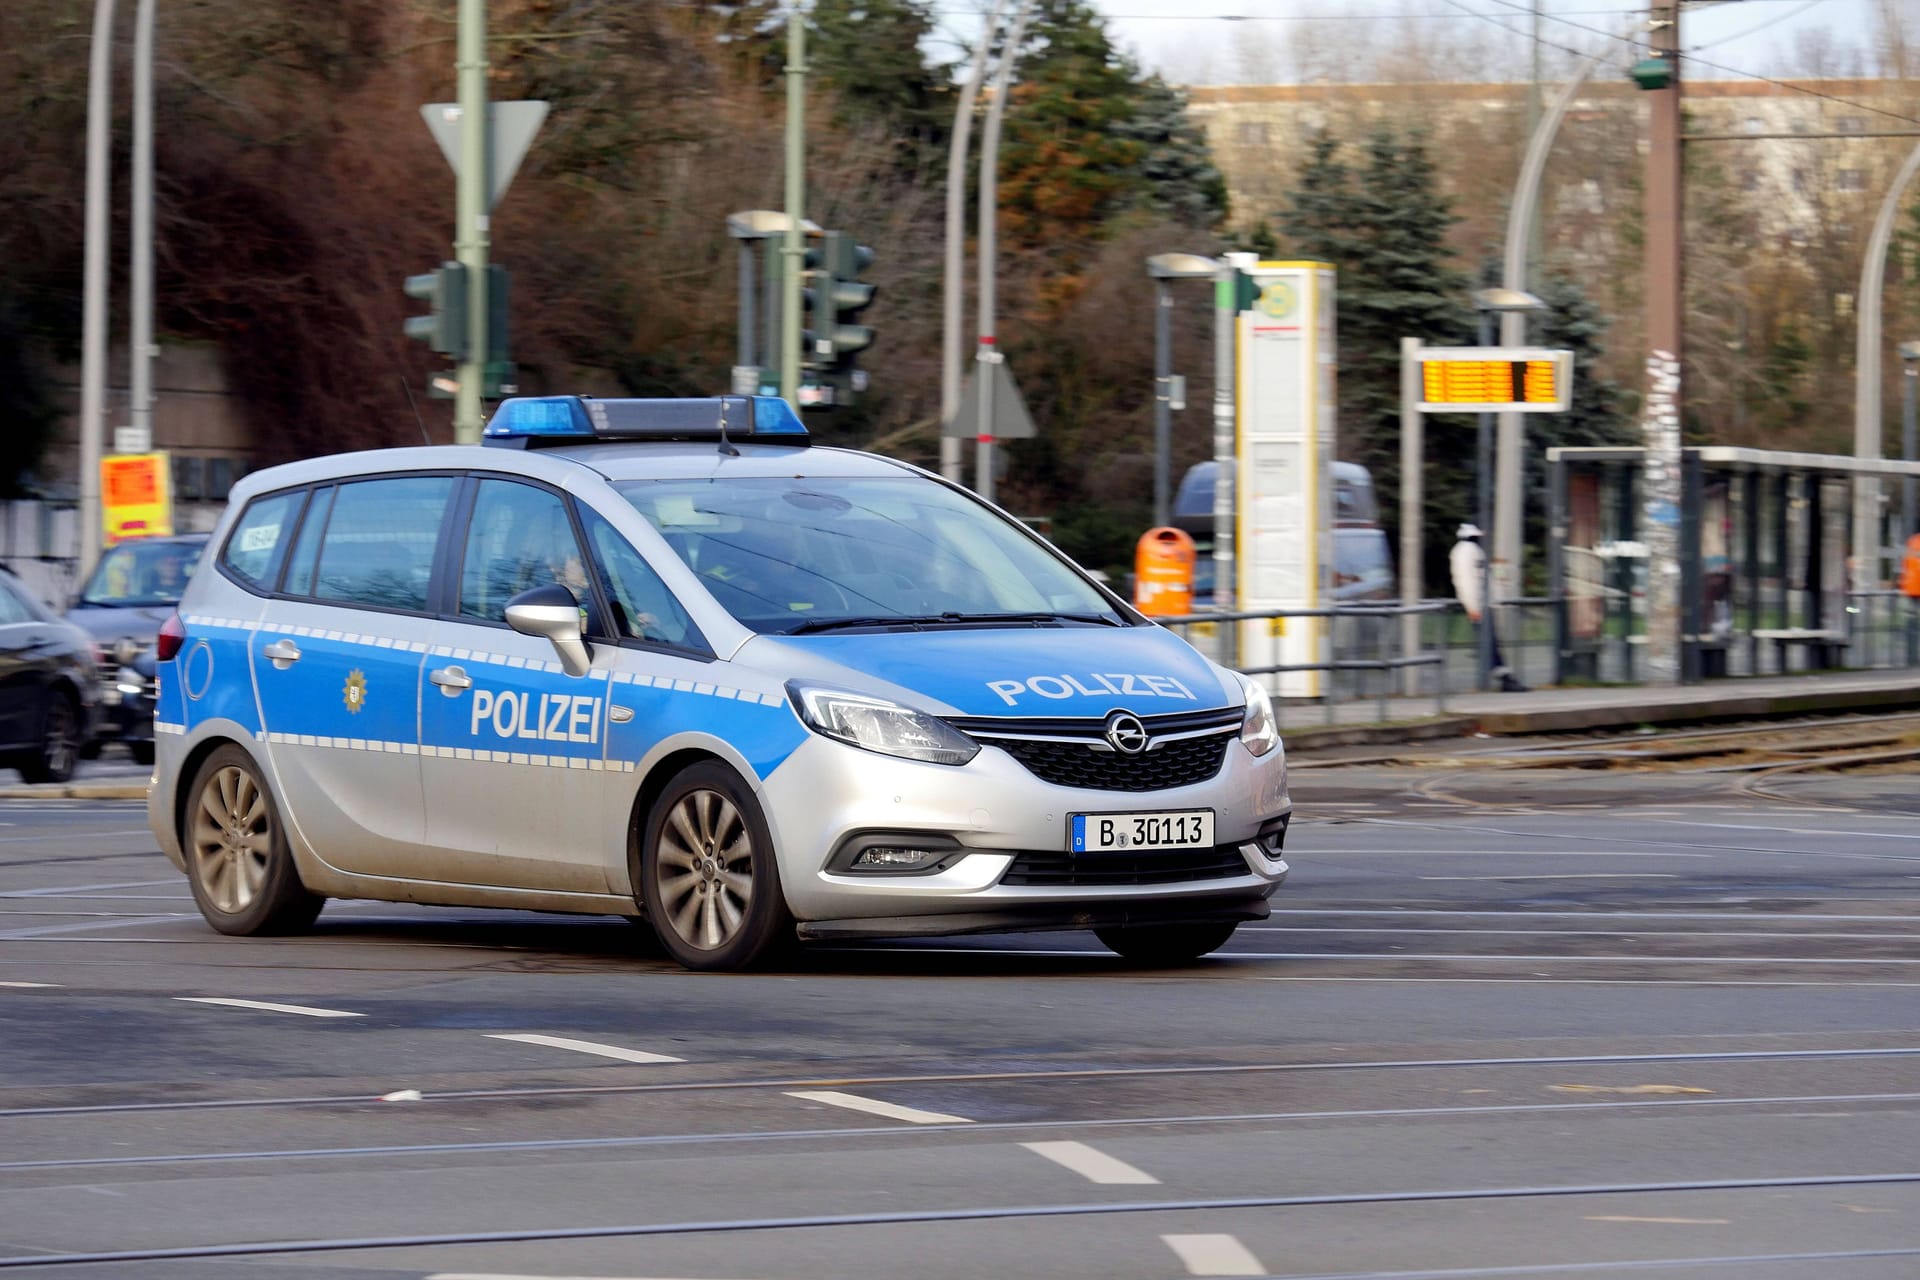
(551, 611)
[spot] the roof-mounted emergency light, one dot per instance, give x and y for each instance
(535, 421)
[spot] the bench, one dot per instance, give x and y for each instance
(1823, 645)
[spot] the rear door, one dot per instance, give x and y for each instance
(337, 665)
(22, 669)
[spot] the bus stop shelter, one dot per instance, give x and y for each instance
(1772, 578)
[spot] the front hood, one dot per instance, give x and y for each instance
(1012, 671)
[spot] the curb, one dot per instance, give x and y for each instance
(77, 791)
(1328, 737)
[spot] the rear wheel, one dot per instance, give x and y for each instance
(707, 872)
(238, 863)
(59, 749)
(1167, 943)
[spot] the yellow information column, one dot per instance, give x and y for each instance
(1284, 478)
(136, 496)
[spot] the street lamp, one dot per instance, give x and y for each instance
(1165, 267)
(1490, 303)
(1910, 365)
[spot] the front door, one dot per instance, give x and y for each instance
(513, 754)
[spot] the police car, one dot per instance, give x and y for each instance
(664, 659)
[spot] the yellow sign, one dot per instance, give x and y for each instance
(136, 496)
(1277, 300)
(1516, 379)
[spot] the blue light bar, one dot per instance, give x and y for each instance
(530, 421)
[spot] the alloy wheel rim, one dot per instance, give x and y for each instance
(232, 839)
(704, 870)
(61, 746)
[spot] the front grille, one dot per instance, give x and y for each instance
(1171, 866)
(1075, 753)
(1073, 764)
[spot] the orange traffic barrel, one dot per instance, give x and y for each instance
(1163, 573)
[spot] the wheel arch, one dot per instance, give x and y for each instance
(652, 787)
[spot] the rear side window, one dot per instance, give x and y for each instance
(377, 548)
(260, 538)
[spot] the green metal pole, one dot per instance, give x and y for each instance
(795, 249)
(470, 231)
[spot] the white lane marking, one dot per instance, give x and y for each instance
(582, 1046)
(84, 835)
(1216, 1255)
(874, 1107)
(1594, 982)
(1395, 930)
(1335, 851)
(1562, 913)
(1531, 959)
(60, 890)
(45, 929)
(1571, 875)
(29, 984)
(1093, 1165)
(1793, 831)
(503, 1275)
(271, 1007)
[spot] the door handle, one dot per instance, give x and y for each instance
(452, 681)
(283, 653)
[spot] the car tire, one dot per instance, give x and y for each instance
(59, 751)
(1166, 943)
(238, 864)
(142, 752)
(708, 877)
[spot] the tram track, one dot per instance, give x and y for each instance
(996, 1213)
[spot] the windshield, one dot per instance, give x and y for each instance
(142, 573)
(785, 554)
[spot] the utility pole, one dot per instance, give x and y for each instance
(1665, 292)
(140, 349)
(952, 303)
(471, 229)
(795, 244)
(987, 353)
(93, 329)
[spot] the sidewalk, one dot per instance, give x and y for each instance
(1359, 722)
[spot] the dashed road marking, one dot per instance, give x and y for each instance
(583, 1046)
(59, 890)
(1096, 1166)
(270, 1007)
(874, 1107)
(1214, 1255)
(29, 984)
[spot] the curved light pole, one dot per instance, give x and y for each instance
(952, 303)
(1510, 499)
(1866, 377)
(93, 324)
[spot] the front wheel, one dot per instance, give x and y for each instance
(238, 863)
(59, 750)
(1167, 943)
(707, 872)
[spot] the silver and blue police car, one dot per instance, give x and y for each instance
(666, 660)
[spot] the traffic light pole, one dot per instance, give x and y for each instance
(987, 353)
(471, 232)
(795, 247)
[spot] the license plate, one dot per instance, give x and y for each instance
(1118, 832)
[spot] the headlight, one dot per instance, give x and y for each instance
(876, 724)
(1259, 732)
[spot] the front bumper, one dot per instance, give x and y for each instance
(1015, 868)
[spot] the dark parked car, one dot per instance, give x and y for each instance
(127, 596)
(1362, 560)
(48, 688)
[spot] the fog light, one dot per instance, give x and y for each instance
(888, 858)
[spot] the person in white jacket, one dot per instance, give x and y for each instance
(1468, 561)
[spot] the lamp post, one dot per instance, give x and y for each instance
(1490, 303)
(1165, 267)
(1910, 366)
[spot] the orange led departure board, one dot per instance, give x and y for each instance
(1469, 379)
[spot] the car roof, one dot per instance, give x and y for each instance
(613, 460)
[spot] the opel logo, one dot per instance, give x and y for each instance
(1126, 733)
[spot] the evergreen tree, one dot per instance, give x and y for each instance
(1176, 175)
(869, 53)
(1384, 228)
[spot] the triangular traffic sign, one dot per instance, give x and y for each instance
(1010, 418)
(510, 130)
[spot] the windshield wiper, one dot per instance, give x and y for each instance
(918, 621)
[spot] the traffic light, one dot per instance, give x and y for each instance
(835, 298)
(445, 289)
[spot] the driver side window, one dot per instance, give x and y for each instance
(519, 537)
(643, 607)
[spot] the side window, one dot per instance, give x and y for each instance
(379, 542)
(260, 538)
(643, 608)
(12, 608)
(520, 537)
